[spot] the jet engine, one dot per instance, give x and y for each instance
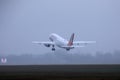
(47, 45)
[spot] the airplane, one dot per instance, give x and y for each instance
(56, 40)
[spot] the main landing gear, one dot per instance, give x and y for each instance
(67, 49)
(53, 49)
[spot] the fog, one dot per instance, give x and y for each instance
(60, 57)
(24, 21)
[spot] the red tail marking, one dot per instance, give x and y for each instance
(70, 43)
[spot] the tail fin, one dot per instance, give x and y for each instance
(70, 43)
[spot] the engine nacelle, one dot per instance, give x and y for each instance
(47, 45)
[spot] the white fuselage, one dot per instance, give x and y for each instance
(56, 40)
(59, 41)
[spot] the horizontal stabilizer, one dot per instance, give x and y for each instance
(71, 46)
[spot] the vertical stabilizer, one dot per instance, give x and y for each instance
(70, 43)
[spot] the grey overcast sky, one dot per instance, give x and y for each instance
(24, 21)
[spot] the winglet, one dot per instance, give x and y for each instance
(70, 43)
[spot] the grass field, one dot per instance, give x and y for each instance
(60, 72)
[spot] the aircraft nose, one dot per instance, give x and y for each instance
(51, 38)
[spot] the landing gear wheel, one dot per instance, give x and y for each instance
(68, 49)
(53, 49)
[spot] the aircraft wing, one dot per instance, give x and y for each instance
(83, 42)
(45, 43)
